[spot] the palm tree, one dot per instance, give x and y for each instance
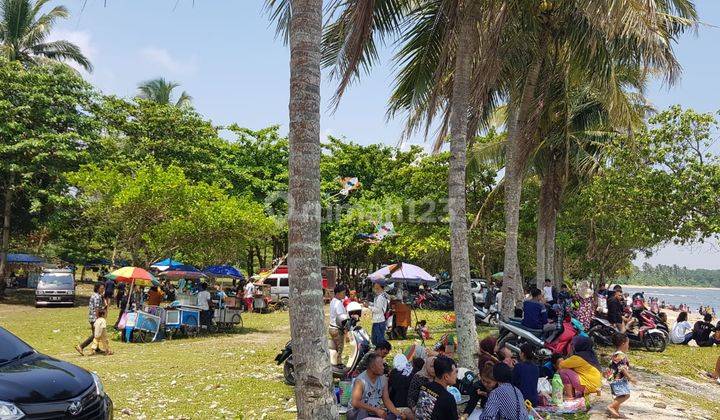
(160, 91)
(24, 31)
(302, 21)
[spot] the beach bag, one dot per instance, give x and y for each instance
(123, 321)
(620, 387)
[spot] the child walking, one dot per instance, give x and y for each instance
(100, 341)
(619, 375)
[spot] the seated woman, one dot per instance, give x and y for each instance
(526, 374)
(505, 401)
(399, 380)
(580, 372)
(424, 376)
(682, 331)
(486, 362)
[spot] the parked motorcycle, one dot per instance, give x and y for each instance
(489, 316)
(652, 339)
(427, 300)
(513, 335)
(357, 348)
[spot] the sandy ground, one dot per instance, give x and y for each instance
(649, 398)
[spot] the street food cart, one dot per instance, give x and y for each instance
(261, 298)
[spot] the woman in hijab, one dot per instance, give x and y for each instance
(399, 380)
(424, 376)
(487, 352)
(580, 372)
(505, 401)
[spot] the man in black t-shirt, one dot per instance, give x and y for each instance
(434, 401)
(702, 330)
(616, 307)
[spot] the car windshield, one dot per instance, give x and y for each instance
(57, 279)
(11, 347)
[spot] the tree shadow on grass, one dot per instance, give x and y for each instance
(26, 297)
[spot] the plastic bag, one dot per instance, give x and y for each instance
(544, 386)
(123, 321)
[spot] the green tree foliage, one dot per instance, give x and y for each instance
(46, 131)
(136, 131)
(672, 275)
(662, 186)
(156, 211)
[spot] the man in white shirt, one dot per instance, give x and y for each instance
(549, 292)
(203, 298)
(337, 334)
(379, 307)
(248, 295)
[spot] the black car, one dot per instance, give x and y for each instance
(36, 386)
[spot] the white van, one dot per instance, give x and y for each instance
(279, 287)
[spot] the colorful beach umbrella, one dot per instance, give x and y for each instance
(134, 275)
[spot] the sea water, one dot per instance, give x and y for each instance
(694, 297)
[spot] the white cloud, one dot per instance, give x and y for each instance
(82, 39)
(162, 58)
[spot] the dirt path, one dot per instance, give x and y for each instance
(660, 397)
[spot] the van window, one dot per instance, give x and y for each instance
(57, 280)
(270, 282)
(284, 282)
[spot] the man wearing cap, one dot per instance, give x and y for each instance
(337, 336)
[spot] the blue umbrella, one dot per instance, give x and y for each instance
(224, 271)
(166, 264)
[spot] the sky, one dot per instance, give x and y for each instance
(224, 53)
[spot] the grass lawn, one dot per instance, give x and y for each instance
(222, 375)
(227, 375)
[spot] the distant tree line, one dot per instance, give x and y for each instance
(672, 275)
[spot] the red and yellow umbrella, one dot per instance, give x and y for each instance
(134, 275)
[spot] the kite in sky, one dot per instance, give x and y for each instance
(349, 184)
(383, 231)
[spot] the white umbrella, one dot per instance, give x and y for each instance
(403, 272)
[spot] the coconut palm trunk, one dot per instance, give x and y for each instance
(552, 187)
(516, 156)
(460, 262)
(309, 343)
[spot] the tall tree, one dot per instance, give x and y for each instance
(161, 91)
(460, 261)
(310, 350)
(24, 30)
(45, 115)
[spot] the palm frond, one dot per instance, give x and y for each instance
(62, 51)
(280, 12)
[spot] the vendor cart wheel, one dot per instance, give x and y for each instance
(237, 321)
(192, 326)
(145, 334)
(213, 327)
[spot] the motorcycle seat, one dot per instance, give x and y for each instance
(518, 323)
